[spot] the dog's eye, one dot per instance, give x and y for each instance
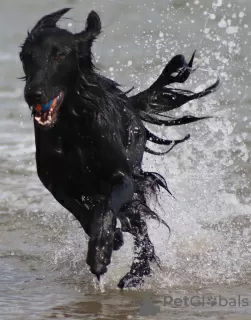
(59, 56)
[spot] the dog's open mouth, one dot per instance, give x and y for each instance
(46, 114)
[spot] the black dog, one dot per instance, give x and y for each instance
(90, 138)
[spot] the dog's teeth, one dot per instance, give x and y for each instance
(38, 119)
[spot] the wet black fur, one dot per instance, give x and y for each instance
(91, 159)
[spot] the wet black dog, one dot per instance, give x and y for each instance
(90, 138)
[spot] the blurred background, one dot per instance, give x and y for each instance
(42, 249)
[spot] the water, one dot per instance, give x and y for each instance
(42, 249)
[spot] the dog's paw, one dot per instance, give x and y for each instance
(118, 240)
(135, 278)
(130, 281)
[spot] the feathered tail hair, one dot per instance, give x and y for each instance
(153, 103)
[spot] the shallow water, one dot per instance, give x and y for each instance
(207, 259)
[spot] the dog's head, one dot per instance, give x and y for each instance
(52, 58)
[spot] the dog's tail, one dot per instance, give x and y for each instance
(158, 98)
(154, 102)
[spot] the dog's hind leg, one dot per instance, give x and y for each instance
(143, 248)
(104, 236)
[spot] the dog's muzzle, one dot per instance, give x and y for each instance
(46, 114)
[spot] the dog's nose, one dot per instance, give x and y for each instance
(33, 96)
(38, 94)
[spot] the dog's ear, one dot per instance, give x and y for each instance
(93, 24)
(92, 29)
(50, 20)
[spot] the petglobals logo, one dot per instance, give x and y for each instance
(207, 301)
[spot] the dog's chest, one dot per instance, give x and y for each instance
(64, 163)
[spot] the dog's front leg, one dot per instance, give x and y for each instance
(104, 223)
